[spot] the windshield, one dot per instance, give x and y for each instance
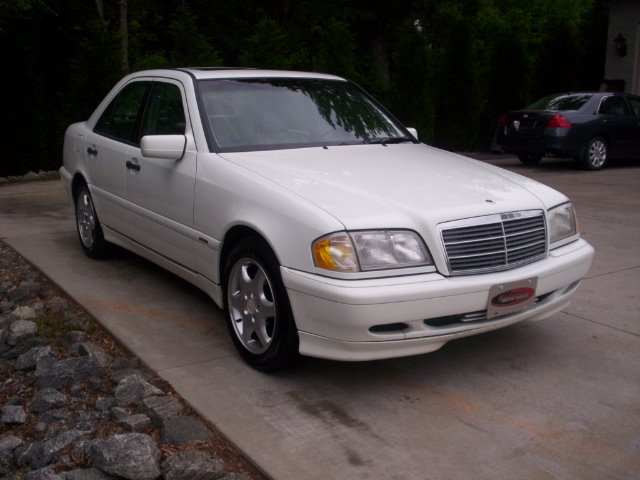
(560, 103)
(266, 114)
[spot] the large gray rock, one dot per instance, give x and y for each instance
(24, 346)
(57, 304)
(46, 399)
(192, 465)
(75, 336)
(24, 313)
(161, 407)
(68, 371)
(131, 455)
(13, 415)
(87, 474)
(29, 359)
(134, 388)
(41, 454)
(8, 443)
(92, 350)
(20, 329)
(181, 430)
(136, 423)
(46, 473)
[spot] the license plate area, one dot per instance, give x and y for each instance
(512, 297)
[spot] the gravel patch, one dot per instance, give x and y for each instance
(76, 405)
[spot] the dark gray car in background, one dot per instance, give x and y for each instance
(591, 127)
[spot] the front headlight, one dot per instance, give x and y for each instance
(562, 223)
(370, 250)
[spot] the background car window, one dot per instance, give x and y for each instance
(614, 106)
(164, 114)
(635, 105)
(560, 103)
(119, 120)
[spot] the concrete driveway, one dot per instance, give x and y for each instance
(557, 399)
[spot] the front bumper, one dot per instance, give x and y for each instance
(334, 317)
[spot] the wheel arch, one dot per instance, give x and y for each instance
(77, 181)
(233, 236)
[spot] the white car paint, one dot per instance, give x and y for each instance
(178, 212)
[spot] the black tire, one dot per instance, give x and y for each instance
(530, 159)
(258, 312)
(596, 154)
(88, 226)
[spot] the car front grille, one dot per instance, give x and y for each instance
(494, 242)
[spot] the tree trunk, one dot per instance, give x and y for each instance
(124, 35)
(381, 59)
(100, 9)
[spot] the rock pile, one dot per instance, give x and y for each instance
(74, 406)
(30, 177)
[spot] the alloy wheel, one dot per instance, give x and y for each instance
(252, 308)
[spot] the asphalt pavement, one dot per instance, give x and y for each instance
(556, 399)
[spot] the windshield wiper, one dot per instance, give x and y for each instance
(387, 140)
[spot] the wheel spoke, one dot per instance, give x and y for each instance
(262, 334)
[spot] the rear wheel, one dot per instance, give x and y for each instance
(595, 154)
(259, 316)
(88, 225)
(530, 158)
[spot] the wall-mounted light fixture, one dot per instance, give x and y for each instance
(621, 45)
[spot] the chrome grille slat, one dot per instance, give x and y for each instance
(495, 242)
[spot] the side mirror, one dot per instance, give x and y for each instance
(413, 132)
(168, 147)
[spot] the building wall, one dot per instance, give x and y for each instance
(624, 18)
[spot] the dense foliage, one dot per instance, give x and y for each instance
(447, 67)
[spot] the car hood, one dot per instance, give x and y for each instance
(396, 186)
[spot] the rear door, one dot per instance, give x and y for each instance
(106, 149)
(619, 125)
(634, 102)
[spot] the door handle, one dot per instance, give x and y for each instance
(132, 166)
(92, 151)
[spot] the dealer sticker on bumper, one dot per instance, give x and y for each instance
(513, 297)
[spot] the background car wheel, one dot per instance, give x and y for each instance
(596, 154)
(259, 316)
(89, 230)
(530, 158)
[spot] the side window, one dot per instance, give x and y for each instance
(120, 118)
(614, 106)
(635, 105)
(164, 114)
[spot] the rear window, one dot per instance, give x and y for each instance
(560, 103)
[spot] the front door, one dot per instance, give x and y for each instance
(160, 191)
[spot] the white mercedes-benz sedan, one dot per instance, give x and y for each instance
(313, 217)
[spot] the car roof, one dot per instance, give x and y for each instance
(204, 73)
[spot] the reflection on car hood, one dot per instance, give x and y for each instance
(396, 186)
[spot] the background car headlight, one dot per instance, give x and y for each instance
(562, 223)
(370, 250)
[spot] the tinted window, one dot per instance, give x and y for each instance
(635, 105)
(614, 106)
(119, 119)
(255, 114)
(164, 114)
(560, 103)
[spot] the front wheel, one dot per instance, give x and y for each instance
(259, 316)
(530, 158)
(88, 225)
(595, 154)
